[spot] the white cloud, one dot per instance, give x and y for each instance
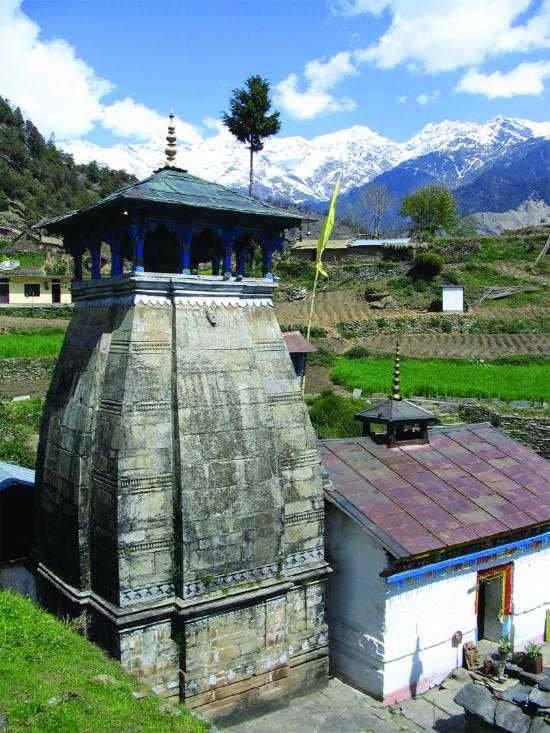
(424, 99)
(447, 35)
(130, 119)
(62, 94)
(352, 8)
(316, 99)
(527, 78)
(214, 124)
(402, 99)
(57, 90)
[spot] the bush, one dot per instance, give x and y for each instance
(397, 253)
(357, 352)
(332, 415)
(324, 357)
(426, 265)
(316, 331)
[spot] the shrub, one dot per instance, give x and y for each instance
(357, 352)
(324, 357)
(332, 415)
(426, 265)
(396, 252)
(317, 332)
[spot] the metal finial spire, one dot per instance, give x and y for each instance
(170, 149)
(396, 391)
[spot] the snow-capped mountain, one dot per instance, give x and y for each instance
(299, 170)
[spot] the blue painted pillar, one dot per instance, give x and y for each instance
(227, 238)
(267, 256)
(241, 254)
(95, 251)
(137, 234)
(116, 258)
(185, 237)
(77, 260)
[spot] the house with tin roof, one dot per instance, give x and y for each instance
(21, 285)
(437, 536)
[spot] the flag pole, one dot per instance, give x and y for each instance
(314, 291)
(324, 236)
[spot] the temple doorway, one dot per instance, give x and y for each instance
(161, 252)
(493, 602)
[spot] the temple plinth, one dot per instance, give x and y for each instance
(180, 496)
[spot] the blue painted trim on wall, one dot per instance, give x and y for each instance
(439, 567)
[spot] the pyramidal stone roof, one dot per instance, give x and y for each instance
(175, 186)
(470, 483)
(393, 410)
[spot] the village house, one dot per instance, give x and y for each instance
(437, 536)
(20, 285)
(337, 249)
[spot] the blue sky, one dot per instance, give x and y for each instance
(109, 71)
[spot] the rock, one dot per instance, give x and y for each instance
(518, 693)
(139, 694)
(3, 722)
(169, 709)
(539, 725)
(387, 303)
(59, 699)
(541, 698)
(105, 679)
(477, 700)
(511, 718)
(21, 398)
(544, 682)
(357, 393)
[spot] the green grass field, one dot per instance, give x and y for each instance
(47, 683)
(19, 424)
(447, 377)
(31, 344)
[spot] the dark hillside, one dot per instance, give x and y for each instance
(38, 180)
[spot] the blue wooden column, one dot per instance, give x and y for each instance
(241, 255)
(270, 243)
(77, 260)
(95, 252)
(185, 236)
(114, 240)
(137, 234)
(228, 237)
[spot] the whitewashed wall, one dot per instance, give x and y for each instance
(394, 642)
(421, 620)
(356, 603)
(530, 597)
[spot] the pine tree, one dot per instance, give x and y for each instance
(248, 119)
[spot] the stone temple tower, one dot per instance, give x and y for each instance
(180, 495)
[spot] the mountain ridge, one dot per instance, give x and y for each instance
(301, 171)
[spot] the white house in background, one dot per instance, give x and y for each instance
(453, 299)
(436, 536)
(21, 285)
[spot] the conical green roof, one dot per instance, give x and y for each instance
(175, 187)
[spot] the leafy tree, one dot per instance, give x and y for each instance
(431, 208)
(248, 119)
(37, 180)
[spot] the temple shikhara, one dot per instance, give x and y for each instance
(181, 499)
(178, 478)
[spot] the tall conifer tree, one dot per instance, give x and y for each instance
(248, 119)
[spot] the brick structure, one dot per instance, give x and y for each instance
(180, 498)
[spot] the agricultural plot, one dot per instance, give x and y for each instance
(442, 377)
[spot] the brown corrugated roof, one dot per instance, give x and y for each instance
(468, 483)
(297, 344)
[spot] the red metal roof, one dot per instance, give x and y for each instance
(468, 483)
(297, 344)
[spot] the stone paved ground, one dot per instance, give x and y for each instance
(340, 708)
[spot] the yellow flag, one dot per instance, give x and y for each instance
(326, 229)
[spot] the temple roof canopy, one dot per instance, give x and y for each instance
(174, 187)
(392, 411)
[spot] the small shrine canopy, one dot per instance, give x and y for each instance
(405, 421)
(173, 222)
